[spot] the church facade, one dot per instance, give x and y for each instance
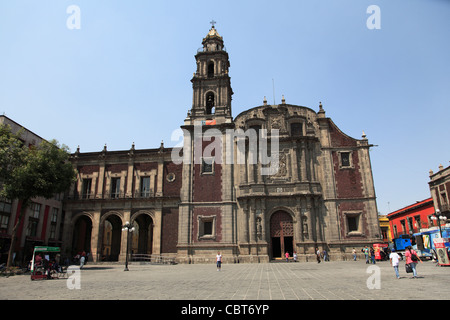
(274, 179)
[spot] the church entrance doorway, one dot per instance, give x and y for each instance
(281, 234)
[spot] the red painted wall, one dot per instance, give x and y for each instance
(422, 209)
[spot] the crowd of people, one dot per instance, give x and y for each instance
(46, 264)
(369, 254)
(54, 263)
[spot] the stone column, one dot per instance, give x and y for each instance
(312, 157)
(303, 172)
(252, 221)
(159, 182)
(129, 191)
(239, 158)
(294, 163)
(95, 236)
(318, 214)
(68, 233)
(298, 237)
(101, 177)
(243, 225)
(157, 225)
(309, 219)
(250, 167)
(124, 236)
(263, 220)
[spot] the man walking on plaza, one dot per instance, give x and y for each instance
(366, 254)
(394, 258)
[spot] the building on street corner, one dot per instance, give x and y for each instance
(410, 219)
(439, 188)
(43, 222)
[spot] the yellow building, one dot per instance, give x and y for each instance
(384, 228)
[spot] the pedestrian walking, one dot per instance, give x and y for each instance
(412, 259)
(394, 258)
(82, 258)
(365, 250)
(295, 256)
(354, 254)
(287, 256)
(372, 255)
(325, 255)
(219, 261)
(318, 255)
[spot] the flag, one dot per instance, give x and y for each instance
(208, 122)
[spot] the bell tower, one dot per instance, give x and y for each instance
(211, 83)
(207, 206)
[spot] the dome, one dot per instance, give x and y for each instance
(213, 33)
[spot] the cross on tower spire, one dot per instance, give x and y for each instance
(212, 23)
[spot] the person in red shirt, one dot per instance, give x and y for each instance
(412, 259)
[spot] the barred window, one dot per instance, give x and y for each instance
(345, 159)
(207, 165)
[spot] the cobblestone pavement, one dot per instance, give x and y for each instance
(343, 280)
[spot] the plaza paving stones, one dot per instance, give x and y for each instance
(341, 280)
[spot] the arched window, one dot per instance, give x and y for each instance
(210, 103)
(211, 69)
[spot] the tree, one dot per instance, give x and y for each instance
(30, 172)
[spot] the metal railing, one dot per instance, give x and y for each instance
(152, 258)
(113, 196)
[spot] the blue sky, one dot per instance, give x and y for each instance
(124, 76)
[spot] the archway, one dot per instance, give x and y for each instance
(111, 238)
(210, 103)
(82, 232)
(143, 235)
(281, 234)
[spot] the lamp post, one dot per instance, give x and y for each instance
(129, 229)
(438, 217)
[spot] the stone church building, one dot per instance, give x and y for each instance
(321, 195)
